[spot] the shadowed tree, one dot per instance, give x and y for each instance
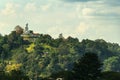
(88, 67)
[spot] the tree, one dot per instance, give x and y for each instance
(110, 75)
(112, 64)
(88, 67)
(14, 40)
(11, 67)
(17, 75)
(61, 36)
(30, 48)
(65, 75)
(1, 40)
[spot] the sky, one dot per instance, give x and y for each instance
(84, 19)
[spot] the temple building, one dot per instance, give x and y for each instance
(18, 29)
(29, 34)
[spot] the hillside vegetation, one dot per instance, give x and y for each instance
(42, 56)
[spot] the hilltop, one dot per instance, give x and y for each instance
(41, 55)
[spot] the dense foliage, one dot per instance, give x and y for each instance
(45, 55)
(111, 75)
(88, 67)
(16, 75)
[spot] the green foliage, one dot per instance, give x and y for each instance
(16, 75)
(65, 75)
(88, 67)
(46, 55)
(1, 40)
(30, 48)
(14, 40)
(111, 75)
(112, 64)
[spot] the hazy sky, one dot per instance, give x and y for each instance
(92, 19)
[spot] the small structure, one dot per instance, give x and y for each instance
(29, 34)
(26, 28)
(59, 79)
(18, 29)
(61, 36)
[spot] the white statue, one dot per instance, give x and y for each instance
(26, 28)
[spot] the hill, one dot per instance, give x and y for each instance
(43, 55)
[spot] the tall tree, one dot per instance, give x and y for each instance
(88, 67)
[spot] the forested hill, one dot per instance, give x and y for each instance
(44, 55)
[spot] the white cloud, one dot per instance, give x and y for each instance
(30, 7)
(3, 27)
(110, 11)
(84, 11)
(45, 7)
(78, 10)
(10, 9)
(88, 11)
(82, 28)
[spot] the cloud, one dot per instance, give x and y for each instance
(113, 2)
(97, 10)
(10, 9)
(87, 11)
(82, 28)
(45, 7)
(105, 2)
(79, 0)
(3, 27)
(30, 7)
